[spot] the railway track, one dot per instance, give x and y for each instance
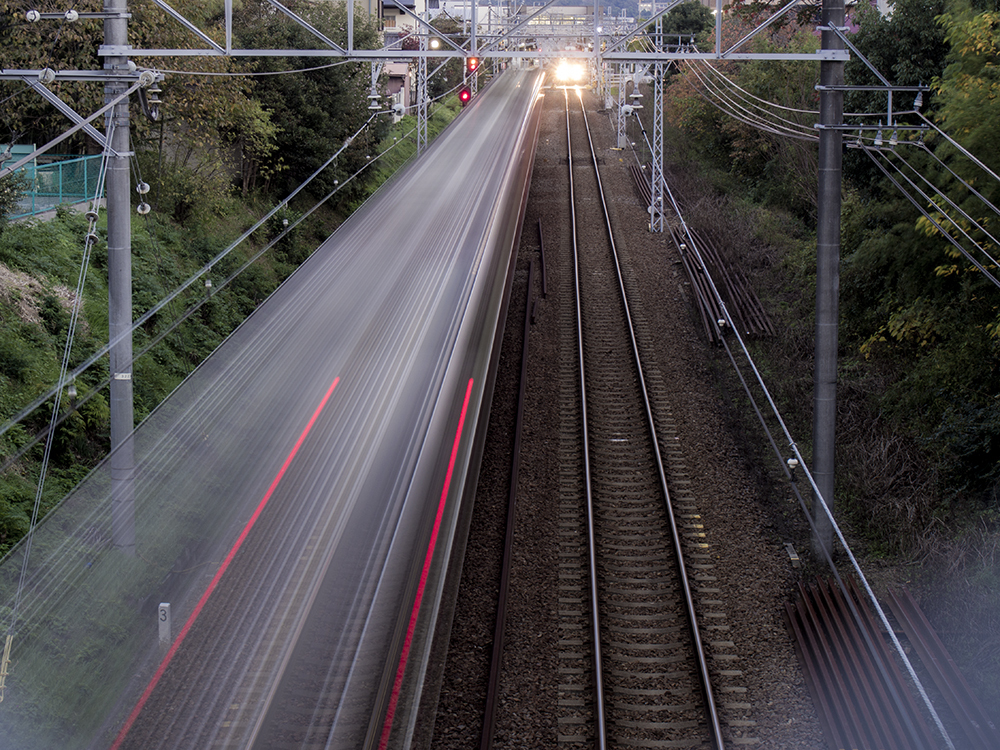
(634, 672)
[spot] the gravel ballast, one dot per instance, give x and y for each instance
(753, 569)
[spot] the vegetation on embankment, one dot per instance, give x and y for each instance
(216, 161)
(918, 446)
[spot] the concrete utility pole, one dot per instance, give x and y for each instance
(115, 52)
(831, 117)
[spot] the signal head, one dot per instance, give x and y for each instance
(472, 64)
(464, 96)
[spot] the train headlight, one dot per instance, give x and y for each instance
(570, 71)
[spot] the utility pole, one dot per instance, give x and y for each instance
(656, 218)
(831, 116)
(115, 52)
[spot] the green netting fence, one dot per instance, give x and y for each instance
(68, 180)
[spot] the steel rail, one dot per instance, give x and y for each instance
(591, 540)
(715, 727)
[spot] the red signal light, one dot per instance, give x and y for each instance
(472, 64)
(464, 96)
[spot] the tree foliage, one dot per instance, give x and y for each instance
(766, 162)
(212, 132)
(687, 20)
(969, 87)
(913, 304)
(908, 48)
(59, 45)
(318, 107)
(12, 187)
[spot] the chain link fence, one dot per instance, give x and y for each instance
(71, 179)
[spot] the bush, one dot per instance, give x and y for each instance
(12, 189)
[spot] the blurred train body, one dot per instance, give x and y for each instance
(322, 453)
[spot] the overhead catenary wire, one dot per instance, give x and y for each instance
(88, 245)
(97, 355)
(732, 84)
(959, 146)
(941, 194)
(254, 74)
(745, 115)
(947, 235)
(923, 146)
(820, 501)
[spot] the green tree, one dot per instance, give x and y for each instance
(750, 139)
(913, 304)
(59, 45)
(969, 88)
(212, 132)
(316, 104)
(908, 48)
(12, 188)
(687, 20)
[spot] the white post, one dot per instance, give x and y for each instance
(163, 620)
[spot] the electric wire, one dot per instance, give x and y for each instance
(18, 92)
(956, 207)
(820, 501)
(796, 127)
(206, 268)
(947, 235)
(923, 146)
(58, 35)
(88, 245)
(758, 124)
(960, 147)
(258, 74)
(735, 85)
(750, 118)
